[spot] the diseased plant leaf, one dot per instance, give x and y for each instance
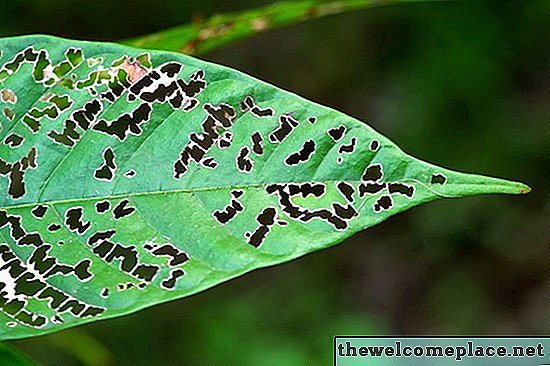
(204, 36)
(131, 178)
(10, 357)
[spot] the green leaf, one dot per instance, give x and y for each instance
(206, 35)
(10, 357)
(132, 178)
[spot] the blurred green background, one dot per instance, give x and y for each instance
(461, 84)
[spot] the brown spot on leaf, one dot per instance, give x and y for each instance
(9, 113)
(46, 97)
(214, 31)
(134, 70)
(312, 12)
(190, 47)
(8, 96)
(525, 190)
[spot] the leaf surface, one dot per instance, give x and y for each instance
(131, 178)
(206, 35)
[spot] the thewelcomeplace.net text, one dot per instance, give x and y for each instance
(346, 349)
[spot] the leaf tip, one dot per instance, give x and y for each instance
(510, 187)
(524, 189)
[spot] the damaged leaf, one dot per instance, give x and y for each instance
(203, 36)
(134, 177)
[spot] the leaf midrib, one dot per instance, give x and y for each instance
(490, 188)
(171, 191)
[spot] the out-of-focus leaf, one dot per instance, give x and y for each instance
(131, 178)
(206, 35)
(10, 357)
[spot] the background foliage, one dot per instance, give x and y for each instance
(462, 84)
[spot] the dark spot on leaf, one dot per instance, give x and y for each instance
(39, 211)
(370, 188)
(170, 282)
(130, 173)
(244, 163)
(146, 272)
(102, 206)
(230, 211)
(92, 311)
(53, 227)
(107, 170)
(8, 112)
(385, 202)
(74, 222)
(401, 188)
(266, 219)
(13, 140)
(438, 178)
(121, 210)
(373, 173)
(349, 148)
(248, 104)
(209, 163)
(345, 212)
(337, 133)
(178, 256)
(347, 190)
(257, 141)
(374, 145)
(286, 125)
(33, 239)
(127, 123)
(303, 155)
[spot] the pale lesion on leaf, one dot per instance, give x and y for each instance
(134, 69)
(259, 24)
(8, 96)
